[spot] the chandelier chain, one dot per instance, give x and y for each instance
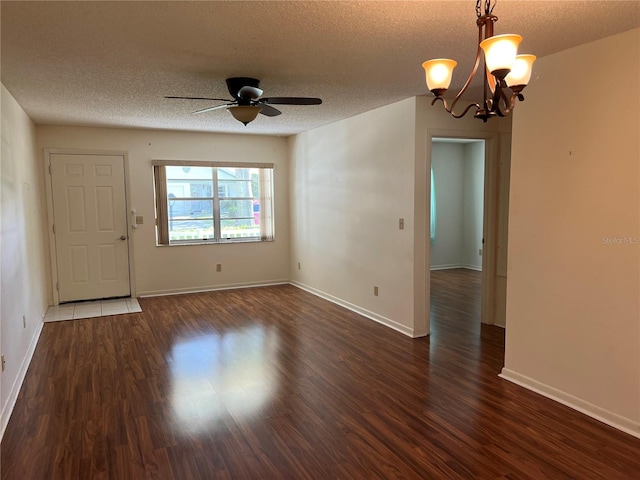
(488, 8)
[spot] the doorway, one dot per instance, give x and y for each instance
(88, 216)
(456, 230)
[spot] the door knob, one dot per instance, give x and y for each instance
(122, 237)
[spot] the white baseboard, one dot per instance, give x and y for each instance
(362, 311)
(445, 267)
(7, 410)
(614, 420)
(452, 266)
(472, 267)
(210, 288)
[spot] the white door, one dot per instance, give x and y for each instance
(90, 225)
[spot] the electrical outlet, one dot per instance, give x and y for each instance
(480, 252)
(2, 360)
(24, 321)
(375, 290)
(139, 219)
(401, 224)
(218, 267)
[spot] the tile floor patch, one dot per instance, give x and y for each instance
(98, 308)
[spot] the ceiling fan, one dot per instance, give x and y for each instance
(247, 101)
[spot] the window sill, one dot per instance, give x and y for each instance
(216, 242)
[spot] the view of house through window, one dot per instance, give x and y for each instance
(209, 203)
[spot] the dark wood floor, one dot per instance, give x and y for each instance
(274, 383)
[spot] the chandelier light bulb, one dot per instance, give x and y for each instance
(438, 74)
(521, 71)
(500, 53)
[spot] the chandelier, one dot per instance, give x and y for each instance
(505, 72)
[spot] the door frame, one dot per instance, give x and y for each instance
(490, 212)
(50, 218)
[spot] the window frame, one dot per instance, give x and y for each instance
(265, 199)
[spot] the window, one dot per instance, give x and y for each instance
(207, 202)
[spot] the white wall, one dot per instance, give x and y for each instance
(473, 203)
(502, 230)
(22, 245)
(351, 182)
(447, 160)
(459, 180)
(186, 268)
(573, 302)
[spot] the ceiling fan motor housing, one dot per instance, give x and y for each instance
(234, 84)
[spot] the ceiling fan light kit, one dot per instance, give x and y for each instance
(245, 113)
(503, 70)
(247, 101)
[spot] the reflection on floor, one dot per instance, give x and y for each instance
(455, 302)
(97, 308)
(220, 373)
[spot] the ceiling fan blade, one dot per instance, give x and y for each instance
(249, 92)
(203, 98)
(209, 109)
(291, 100)
(269, 111)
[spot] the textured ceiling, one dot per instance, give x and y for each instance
(111, 63)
